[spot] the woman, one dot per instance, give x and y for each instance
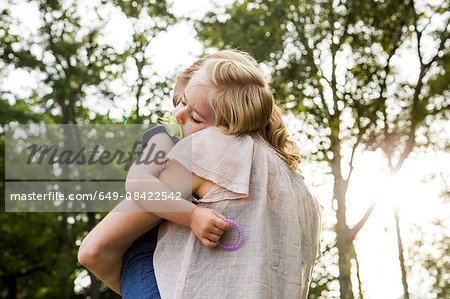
(246, 156)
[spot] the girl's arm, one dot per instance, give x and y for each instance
(102, 249)
(207, 224)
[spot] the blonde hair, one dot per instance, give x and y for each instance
(243, 104)
(234, 55)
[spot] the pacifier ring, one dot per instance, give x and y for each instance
(231, 247)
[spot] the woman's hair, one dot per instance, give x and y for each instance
(242, 102)
(276, 135)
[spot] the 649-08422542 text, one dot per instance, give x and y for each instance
(96, 195)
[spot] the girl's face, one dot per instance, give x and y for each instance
(193, 108)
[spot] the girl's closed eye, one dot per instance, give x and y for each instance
(195, 120)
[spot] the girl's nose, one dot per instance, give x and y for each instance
(179, 116)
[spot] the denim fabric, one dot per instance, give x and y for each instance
(137, 277)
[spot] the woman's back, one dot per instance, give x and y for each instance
(279, 217)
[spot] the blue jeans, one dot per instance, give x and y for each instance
(137, 277)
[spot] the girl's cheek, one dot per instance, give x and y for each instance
(197, 127)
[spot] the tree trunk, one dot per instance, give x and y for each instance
(345, 256)
(400, 255)
(344, 243)
(343, 239)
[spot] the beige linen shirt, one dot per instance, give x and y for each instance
(280, 219)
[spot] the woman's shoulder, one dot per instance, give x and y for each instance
(213, 136)
(225, 160)
(216, 132)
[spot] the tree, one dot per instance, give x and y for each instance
(423, 100)
(71, 64)
(148, 19)
(70, 59)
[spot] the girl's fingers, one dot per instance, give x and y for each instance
(215, 230)
(220, 223)
(209, 243)
(219, 215)
(213, 237)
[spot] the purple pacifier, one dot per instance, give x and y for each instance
(230, 247)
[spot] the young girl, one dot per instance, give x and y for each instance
(103, 248)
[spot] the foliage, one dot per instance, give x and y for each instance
(429, 257)
(71, 66)
(148, 19)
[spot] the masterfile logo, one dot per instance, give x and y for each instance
(79, 168)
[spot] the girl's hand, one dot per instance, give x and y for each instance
(208, 225)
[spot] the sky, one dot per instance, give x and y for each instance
(415, 190)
